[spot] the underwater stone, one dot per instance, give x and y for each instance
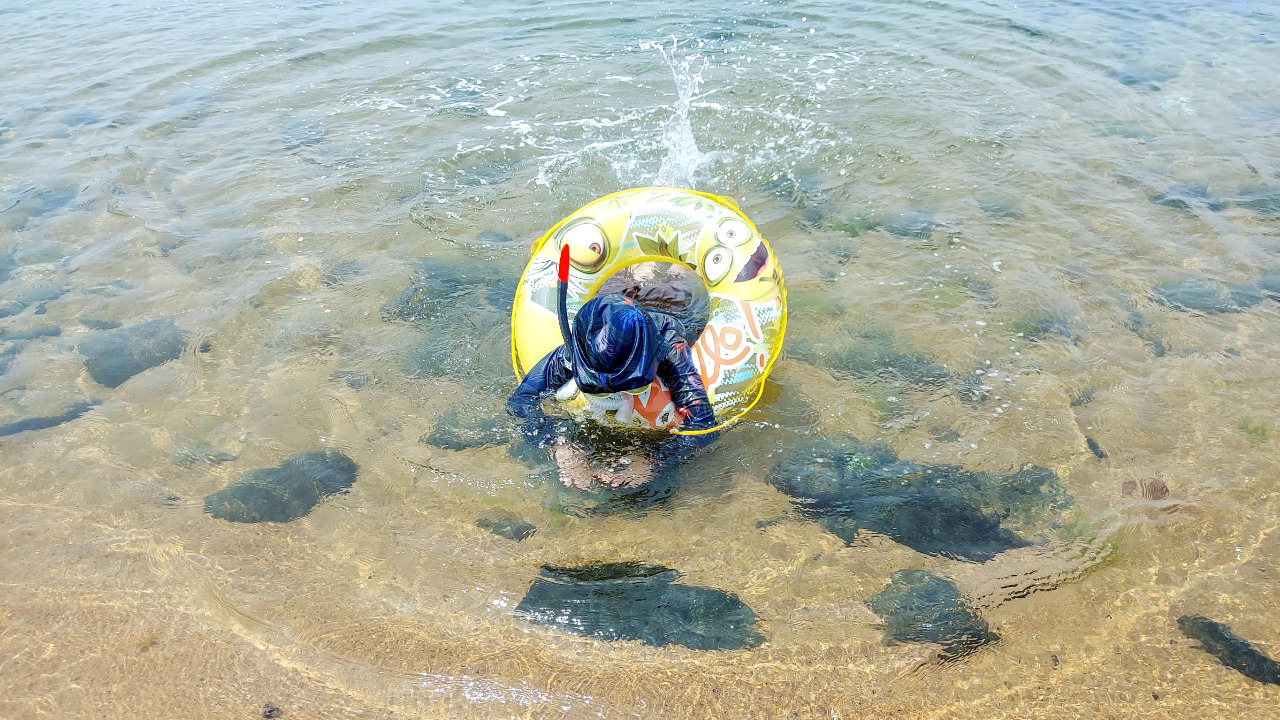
(32, 334)
(40, 423)
(451, 433)
(1207, 296)
(1095, 448)
(913, 225)
(7, 266)
(1269, 284)
(981, 290)
(341, 272)
(847, 486)
(853, 225)
(1143, 77)
(632, 601)
(919, 606)
(872, 357)
(942, 433)
(75, 118)
(507, 527)
(1264, 201)
(1177, 197)
(1082, 398)
(99, 324)
(117, 355)
(493, 237)
(8, 355)
(1039, 327)
(284, 493)
(810, 218)
(1171, 201)
(194, 453)
(443, 286)
(298, 134)
(1000, 208)
(1137, 322)
(36, 297)
(475, 355)
(54, 199)
(1233, 651)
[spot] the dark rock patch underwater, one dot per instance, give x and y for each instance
(41, 423)
(1233, 651)
(919, 606)
(117, 355)
(284, 493)
(633, 601)
(847, 486)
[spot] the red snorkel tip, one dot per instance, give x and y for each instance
(564, 264)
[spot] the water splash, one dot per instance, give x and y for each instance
(683, 159)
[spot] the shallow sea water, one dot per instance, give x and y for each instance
(1034, 233)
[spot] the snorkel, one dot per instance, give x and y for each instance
(562, 310)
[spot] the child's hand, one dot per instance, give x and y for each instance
(632, 474)
(574, 468)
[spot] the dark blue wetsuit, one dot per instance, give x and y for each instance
(619, 346)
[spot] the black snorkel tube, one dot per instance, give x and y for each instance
(562, 311)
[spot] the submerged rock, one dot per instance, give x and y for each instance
(918, 225)
(40, 298)
(297, 134)
(1083, 397)
(998, 208)
(445, 287)
(1264, 201)
(982, 291)
(453, 433)
(1182, 197)
(1207, 296)
(1234, 652)
(847, 486)
(1137, 323)
(919, 606)
(871, 356)
(7, 266)
(1039, 327)
(469, 352)
(633, 601)
(341, 272)
(284, 493)
(942, 433)
(99, 324)
(507, 527)
(117, 355)
(1143, 77)
(1269, 284)
(32, 334)
(40, 423)
(193, 453)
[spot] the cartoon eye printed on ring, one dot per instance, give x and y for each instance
(716, 264)
(588, 245)
(733, 232)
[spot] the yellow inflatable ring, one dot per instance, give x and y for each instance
(707, 234)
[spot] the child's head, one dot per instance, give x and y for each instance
(615, 346)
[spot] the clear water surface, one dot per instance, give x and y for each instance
(1031, 235)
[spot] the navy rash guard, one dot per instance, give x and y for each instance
(662, 343)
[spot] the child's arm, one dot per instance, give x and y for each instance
(525, 404)
(687, 391)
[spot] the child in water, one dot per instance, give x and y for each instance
(617, 346)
